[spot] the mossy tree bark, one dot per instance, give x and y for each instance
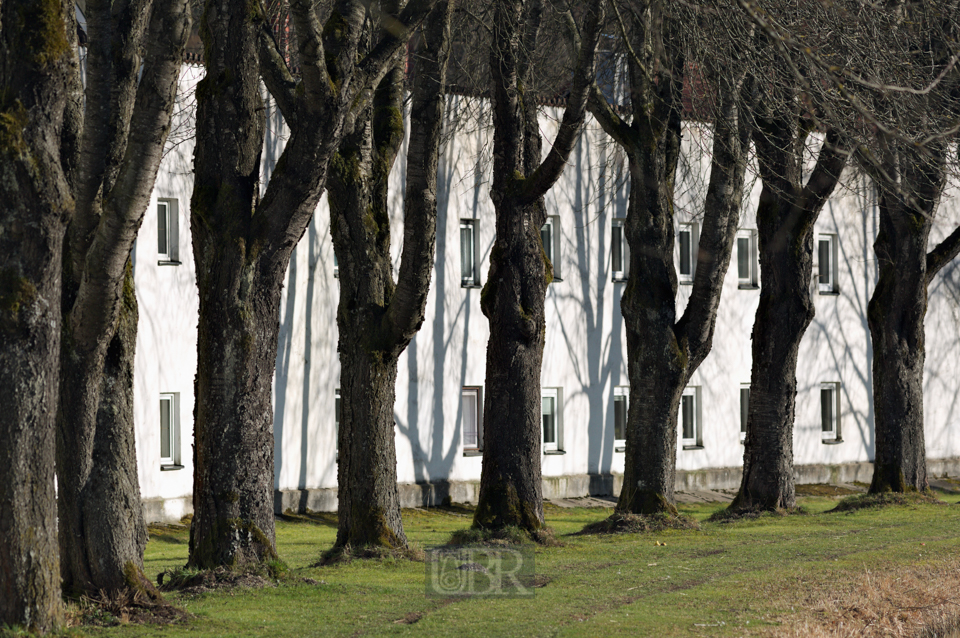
(663, 352)
(514, 294)
(242, 243)
(909, 187)
(36, 58)
(377, 318)
(786, 215)
(126, 116)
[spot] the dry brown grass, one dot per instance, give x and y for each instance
(918, 602)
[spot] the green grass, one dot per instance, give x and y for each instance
(751, 577)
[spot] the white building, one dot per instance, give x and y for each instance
(441, 376)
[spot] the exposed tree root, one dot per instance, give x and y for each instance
(504, 536)
(347, 553)
(886, 499)
(191, 581)
(127, 606)
(627, 523)
(727, 515)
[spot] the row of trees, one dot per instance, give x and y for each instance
(79, 162)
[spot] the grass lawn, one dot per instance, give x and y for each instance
(882, 571)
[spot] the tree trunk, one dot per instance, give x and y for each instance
(897, 311)
(233, 521)
(35, 61)
(786, 216)
(513, 297)
(513, 300)
(102, 530)
(369, 501)
(784, 312)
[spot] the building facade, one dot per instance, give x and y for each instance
(440, 386)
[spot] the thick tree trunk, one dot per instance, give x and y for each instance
(785, 311)
(513, 300)
(897, 311)
(102, 530)
(36, 58)
(369, 501)
(233, 521)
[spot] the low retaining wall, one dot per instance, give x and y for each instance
(571, 486)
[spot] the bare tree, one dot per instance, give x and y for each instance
(377, 317)
(134, 54)
(242, 243)
(37, 57)
(513, 297)
(663, 351)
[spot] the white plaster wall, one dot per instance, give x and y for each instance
(585, 342)
(166, 357)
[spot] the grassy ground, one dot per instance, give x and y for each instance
(874, 571)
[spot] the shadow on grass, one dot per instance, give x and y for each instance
(625, 523)
(886, 499)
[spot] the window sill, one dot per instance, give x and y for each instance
(832, 441)
(748, 287)
(473, 452)
(557, 279)
(829, 293)
(468, 286)
(692, 447)
(620, 448)
(553, 452)
(171, 468)
(168, 263)
(686, 282)
(619, 280)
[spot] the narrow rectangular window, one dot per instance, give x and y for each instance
(686, 246)
(830, 412)
(690, 419)
(336, 421)
(550, 237)
(621, 404)
(747, 259)
(336, 266)
(744, 410)
(471, 418)
(468, 253)
(827, 263)
(620, 257)
(168, 240)
(550, 411)
(170, 430)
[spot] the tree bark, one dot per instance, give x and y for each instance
(896, 317)
(242, 243)
(513, 297)
(36, 56)
(127, 117)
(786, 216)
(376, 318)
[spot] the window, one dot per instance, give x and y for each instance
(621, 404)
(620, 259)
(550, 235)
(336, 270)
(747, 259)
(471, 410)
(336, 421)
(168, 233)
(469, 277)
(744, 409)
(827, 263)
(170, 430)
(550, 411)
(830, 412)
(690, 419)
(687, 255)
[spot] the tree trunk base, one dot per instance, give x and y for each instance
(645, 503)
(890, 478)
(502, 507)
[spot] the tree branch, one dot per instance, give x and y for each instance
(943, 254)
(276, 75)
(609, 121)
(317, 83)
(826, 174)
(584, 79)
